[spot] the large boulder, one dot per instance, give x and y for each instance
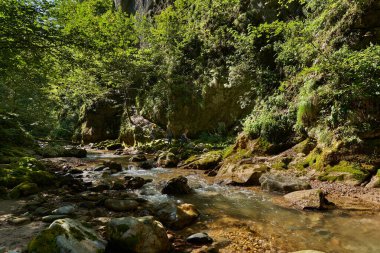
(241, 174)
(205, 161)
(67, 235)
(177, 186)
(177, 217)
(140, 235)
(307, 199)
(282, 183)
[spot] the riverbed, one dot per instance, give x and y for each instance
(238, 219)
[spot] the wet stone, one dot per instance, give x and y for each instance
(177, 186)
(199, 239)
(65, 210)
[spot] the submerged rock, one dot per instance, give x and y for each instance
(177, 217)
(121, 205)
(241, 174)
(177, 186)
(67, 235)
(307, 199)
(140, 235)
(282, 183)
(199, 239)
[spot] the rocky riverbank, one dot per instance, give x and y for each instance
(95, 196)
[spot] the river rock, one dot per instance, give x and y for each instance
(23, 190)
(67, 235)
(375, 182)
(121, 205)
(177, 186)
(20, 221)
(282, 183)
(66, 210)
(53, 217)
(241, 174)
(177, 217)
(138, 158)
(134, 182)
(307, 199)
(146, 165)
(199, 239)
(140, 235)
(114, 166)
(167, 159)
(205, 161)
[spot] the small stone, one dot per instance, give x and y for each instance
(199, 239)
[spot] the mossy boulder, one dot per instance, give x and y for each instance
(205, 161)
(67, 235)
(23, 190)
(51, 151)
(347, 172)
(140, 235)
(26, 169)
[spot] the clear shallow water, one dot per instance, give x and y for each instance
(333, 231)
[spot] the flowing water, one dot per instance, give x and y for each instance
(230, 207)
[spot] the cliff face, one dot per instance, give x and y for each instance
(367, 26)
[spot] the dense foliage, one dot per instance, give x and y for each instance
(298, 66)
